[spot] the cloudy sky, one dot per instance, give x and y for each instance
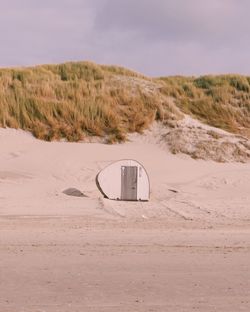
(155, 37)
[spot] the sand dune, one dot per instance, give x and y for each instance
(34, 171)
(187, 248)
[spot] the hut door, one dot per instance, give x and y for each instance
(129, 183)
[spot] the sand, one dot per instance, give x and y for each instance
(188, 249)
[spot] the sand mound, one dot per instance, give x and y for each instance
(73, 192)
(200, 141)
(209, 143)
(203, 190)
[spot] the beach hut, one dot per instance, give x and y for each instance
(124, 180)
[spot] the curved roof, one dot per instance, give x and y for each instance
(109, 180)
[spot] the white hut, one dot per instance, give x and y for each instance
(124, 180)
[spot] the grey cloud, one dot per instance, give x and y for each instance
(179, 20)
(181, 36)
(156, 37)
(46, 32)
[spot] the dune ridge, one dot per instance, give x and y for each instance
(84, 101)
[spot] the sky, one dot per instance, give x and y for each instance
(154, 37)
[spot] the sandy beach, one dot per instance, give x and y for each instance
(187, 249)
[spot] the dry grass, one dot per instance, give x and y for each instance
(76, 100)
(72, 101)
(220, 101)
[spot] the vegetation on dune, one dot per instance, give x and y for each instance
(72, 101)
(220, 101)
(76, 100)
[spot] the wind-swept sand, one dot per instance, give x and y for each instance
(188, 249)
